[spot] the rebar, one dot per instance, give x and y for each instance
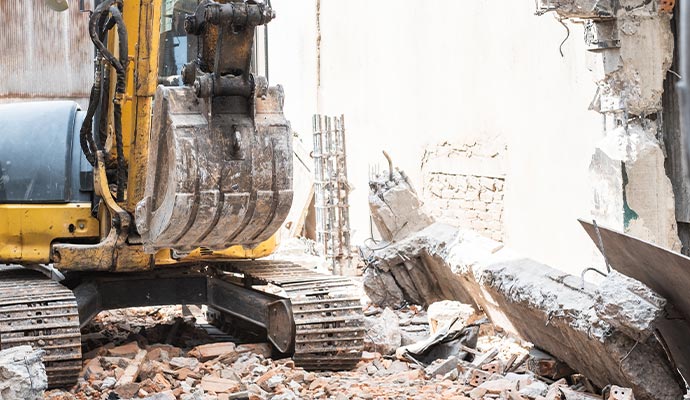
(331, 191)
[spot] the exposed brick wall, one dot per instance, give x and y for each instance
(467, 201)
(463, 184)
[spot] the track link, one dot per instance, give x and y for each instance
(39, 312)
(329, 331)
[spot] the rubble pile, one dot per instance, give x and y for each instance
(612, 332)
(142, 366)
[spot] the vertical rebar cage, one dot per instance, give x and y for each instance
(331, 191)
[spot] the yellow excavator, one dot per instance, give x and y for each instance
(168, 189)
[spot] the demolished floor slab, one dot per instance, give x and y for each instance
(536, 302)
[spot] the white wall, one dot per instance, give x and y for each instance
(408, 74)
(292, 61)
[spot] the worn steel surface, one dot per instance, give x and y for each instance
(113, 252)
(219, 182)
(220, 158)
(665, 272)
(41, 313)
(142, 20)
(328, 319)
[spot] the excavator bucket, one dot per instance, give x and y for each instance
(220, 158)
(215, 181)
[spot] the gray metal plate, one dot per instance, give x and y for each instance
(664, 271)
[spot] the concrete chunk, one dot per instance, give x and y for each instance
(22, 374)
(395, 208)
(543, 305)
(629, 305)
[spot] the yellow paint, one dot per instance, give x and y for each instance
(264, 249)
(27, 230)
(143, 18)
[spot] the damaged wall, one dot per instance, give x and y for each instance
(464, 184)
(472, 71)
(630, 51)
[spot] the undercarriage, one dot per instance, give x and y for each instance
(305, 314)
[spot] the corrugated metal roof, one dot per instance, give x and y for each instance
(44, 53)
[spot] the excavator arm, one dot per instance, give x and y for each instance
(180, 166)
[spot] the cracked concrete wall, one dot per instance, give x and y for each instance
(630, 52)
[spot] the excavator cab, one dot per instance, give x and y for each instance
(165, 190)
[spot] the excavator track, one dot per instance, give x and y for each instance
(329, 331)
(39, 312)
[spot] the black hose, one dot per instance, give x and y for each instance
(94, 34)
(98, 26)
(88, 145)
(120, 87)
(116, 15)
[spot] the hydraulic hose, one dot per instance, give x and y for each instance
(98, 26)
(116, 15)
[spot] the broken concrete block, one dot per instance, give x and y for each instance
(184, 362)
(22, 374)
(383, 333)
(381, 288)
(416, 267)
(395, 208)
(445, 312)
(540, 304)
(443, 367)
(534, 389)
(629, 305)
(548, 308)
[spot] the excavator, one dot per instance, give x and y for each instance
(170, 188)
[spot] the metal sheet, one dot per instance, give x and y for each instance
(45, 54)
(664, 271)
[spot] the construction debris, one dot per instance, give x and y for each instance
(528, 299)
(383, 333)
(485, 367)
(395, 207)
(22, 374)
(629, 306)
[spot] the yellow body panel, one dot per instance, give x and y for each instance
(27, 230)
